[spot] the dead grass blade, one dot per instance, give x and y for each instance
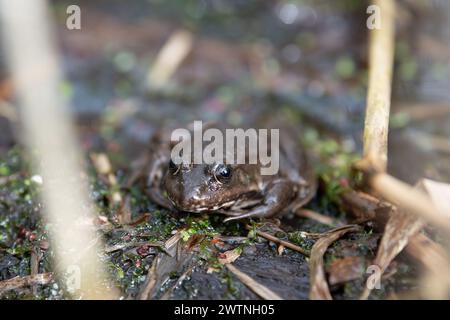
(180, 280)
(177, 259)
(319, 287)
(400, 227)
(253, 285)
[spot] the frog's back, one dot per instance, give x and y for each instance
(295, 162)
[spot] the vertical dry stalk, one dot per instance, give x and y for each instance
(49, 134)
(376, 125)
(381, 55)
(375, 141)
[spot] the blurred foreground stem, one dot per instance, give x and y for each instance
(49, 134)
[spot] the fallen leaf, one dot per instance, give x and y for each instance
(319, 287)
(229, 256)
(399, 228)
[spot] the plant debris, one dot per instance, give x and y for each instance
(319, 286)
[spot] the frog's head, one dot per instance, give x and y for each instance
(207, 187)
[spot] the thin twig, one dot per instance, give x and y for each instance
(180, 280)
(150, 282)
(35, 258)
(285, 243)
(127, 245)
(19, 282)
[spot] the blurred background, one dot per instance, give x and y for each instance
(251, 55)
(231, 60)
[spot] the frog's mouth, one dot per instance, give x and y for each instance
(201, 207)
(224, 207)
(215, 208)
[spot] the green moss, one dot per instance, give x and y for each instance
(299, 239)
(334, 167)
(198, 226)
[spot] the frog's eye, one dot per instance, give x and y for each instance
(222, 173)
(173, 167)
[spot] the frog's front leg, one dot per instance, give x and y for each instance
(277, 195)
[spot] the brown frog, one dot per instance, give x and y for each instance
(235, 190)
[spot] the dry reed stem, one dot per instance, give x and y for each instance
(33, 59)
(381, 57)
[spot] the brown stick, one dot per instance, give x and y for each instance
(19, 282)
(411, 200)
(272, 238)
